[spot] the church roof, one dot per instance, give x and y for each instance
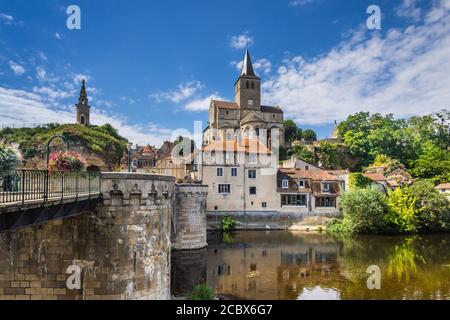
(83, 93)
(225, 104)
(271, 109)
(252, 117)
(247, 67)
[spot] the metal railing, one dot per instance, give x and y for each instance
(41, 185)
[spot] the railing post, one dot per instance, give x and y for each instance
(46, 186)
(62, 186)
(23, 187)
(89, 184)
(76, 186)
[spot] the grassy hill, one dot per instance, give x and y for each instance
(100, 144)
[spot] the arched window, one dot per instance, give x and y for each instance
(253, 85)
(247, 84)
(82, 119)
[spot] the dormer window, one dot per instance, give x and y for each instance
(285, 184)
(325, 187)
(301, 183)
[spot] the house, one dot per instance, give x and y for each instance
(308, 191)
(297, 163)
(241, 175)
(173, 165)
(398, 178)
(444, 188)
(343, 176)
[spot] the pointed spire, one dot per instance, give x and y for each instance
(247, 67)
(83, 93)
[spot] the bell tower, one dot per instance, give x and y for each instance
(247, 89)
(83, 107)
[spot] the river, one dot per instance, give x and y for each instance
(288, 266)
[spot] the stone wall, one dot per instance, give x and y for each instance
(189, 225)
(122, 248)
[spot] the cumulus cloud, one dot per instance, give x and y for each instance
(408, 9)
(58, 36)
(202, 104)
(263, 65)
(6, 18)
(241, 41)
(403, 72)
(16, 68)
(183, 92)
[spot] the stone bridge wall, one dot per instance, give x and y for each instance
(122, 248)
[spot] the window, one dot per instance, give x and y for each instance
(247, 84)
(306, 168)
(253, 190)
(219, 172)
(253, 85)
(227, 112)
(224, 188)
(325, 202)
(252, 174)
(285, 184)
(250, 102)
(325, 187)
(234, 172)
(301, 183)
(296, 200)
(264, 204)
(274, 115)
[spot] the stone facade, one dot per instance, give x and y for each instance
(83, 107)
(189, 225)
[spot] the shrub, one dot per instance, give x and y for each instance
(337, 226)
(201, 292)
(364, 210)
(358, 180)
(66, 161)
(402, 213)
(9, 160)
(227, 223)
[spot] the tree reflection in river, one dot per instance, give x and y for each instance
(283, 265)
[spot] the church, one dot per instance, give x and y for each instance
(246, 116)
(83, 108)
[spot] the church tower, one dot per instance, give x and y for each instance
(83, 108)
(247, 89)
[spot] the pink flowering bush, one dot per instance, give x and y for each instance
(66, 161)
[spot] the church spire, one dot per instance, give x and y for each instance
(83, 93)
(247, 67)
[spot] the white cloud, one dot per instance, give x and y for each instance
(40, 110)
(58, 36)
(241, 41)
(6, 18)
(300, 3)
(408, 9)
(183, 92)
(53, 93)
(201, 104)
(16, 68)
(403, 72)
(41, 73)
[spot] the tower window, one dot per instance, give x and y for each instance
(82, 119)
(247, 84)
(273, 116)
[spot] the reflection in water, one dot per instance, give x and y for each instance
(282, 265)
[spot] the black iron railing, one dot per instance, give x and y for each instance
(33, 185)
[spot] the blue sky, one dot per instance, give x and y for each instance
(153, 66)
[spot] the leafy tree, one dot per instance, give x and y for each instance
(302, 152)
(357, 180)
(433, 208)
(299, 134)
(433, 163)
(290, 130)
(309, 135)
(402, 214)
(328, 155)
(283, 153)
(389, 164)
(364, 210)
(9, 160)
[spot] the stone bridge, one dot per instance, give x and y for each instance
(121, 243)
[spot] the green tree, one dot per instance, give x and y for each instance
(433, 163)
(433, 208)
(9, 160)
(364, 210)
(302, 152)
(389, 164)
(309, 135)
(290, 130)
(402, 214)
(357, 180)
(328, 155)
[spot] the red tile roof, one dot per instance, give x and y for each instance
(309, 174)
(375, 176)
